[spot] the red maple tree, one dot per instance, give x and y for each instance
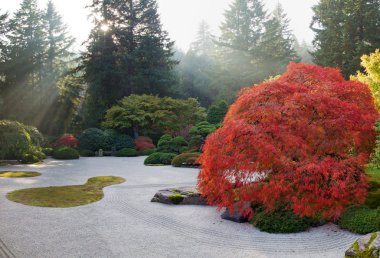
(67, 140)
(300, 141)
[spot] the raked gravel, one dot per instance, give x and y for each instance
(126, 224)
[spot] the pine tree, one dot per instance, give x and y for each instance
(277, 45)
(25, 59)
(58, 61)
(131, 55)
(102, 71)
(345, 30)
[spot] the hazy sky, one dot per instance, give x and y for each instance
(180, 17)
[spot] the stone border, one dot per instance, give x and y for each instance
(5, 252)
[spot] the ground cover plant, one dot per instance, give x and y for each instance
(10, 174)
(65, 196)
(301, 140)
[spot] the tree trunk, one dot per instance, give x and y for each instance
(135, 131)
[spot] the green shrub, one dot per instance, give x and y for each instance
(159, 158)
(86, 153)
(92, 139)
(280, 222)
(168, 144)
(17, 143)
(65, 153)
(361, 220)
(203, 129)
(35, 136)
(117, 140)
(47, 151)
(186, 160)
(147, 152)
(217, 112)
(127, 152)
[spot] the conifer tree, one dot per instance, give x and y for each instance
(24, 57)
(345, 30)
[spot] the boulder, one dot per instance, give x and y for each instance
(187, 195)
(366, 246)
(235, 216)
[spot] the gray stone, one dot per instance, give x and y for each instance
(235, 216)
(189, 194)
(368, 245)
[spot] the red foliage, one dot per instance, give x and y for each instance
(144, 143)
(299, 141)
(67, 140)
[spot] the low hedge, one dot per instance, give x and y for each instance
(65, 153)
(186, 160)
(280, 222)
(147, 152)
(87, 153)
(361, 220)
(127, 152)
(160, 158)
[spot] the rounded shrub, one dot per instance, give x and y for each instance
(302, 139)
(144, 143)
(160, 158)
(92, 139)
(86, 153)
(280, 222)
(361, 220)
(127, 152)
(17, 143)
(117, 140)
(65, 153)
(186, 160)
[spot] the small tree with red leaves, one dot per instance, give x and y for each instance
(300, 141)
(67, 140)
(143, 143)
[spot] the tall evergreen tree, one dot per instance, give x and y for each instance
(59, 60)
(25, 57)
(129, 53)
(277, 45)
(345, 30)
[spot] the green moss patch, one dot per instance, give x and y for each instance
(65, 196)
(176, 198)
(10, 174)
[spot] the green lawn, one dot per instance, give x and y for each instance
(65, 196)
(10, 174)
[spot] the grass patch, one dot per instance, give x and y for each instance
(65, 196)
(10, 174)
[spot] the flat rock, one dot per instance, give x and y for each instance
(187, 195)
(366, 246)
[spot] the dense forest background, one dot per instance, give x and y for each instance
(45, 84)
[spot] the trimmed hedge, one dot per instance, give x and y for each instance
(159, 158)
(280, 222)
(361, 220)
(87, 153)
(186, 160)
(127, 152)
(65, 153)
